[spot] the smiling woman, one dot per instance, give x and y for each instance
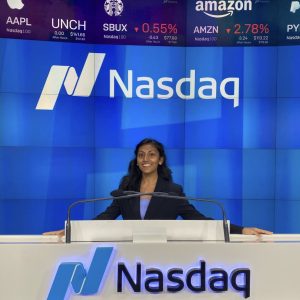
(148, 161)
(148, 172)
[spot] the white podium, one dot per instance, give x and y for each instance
(142, 231)
(40, 267)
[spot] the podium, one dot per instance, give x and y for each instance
(44, 267)
(146, 231)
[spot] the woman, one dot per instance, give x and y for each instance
(148, 172)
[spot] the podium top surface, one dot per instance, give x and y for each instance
(30, 239)
(234, 238)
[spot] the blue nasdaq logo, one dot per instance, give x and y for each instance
(83, 282)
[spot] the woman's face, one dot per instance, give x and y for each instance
(148, 159)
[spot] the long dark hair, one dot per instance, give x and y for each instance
(132, 180)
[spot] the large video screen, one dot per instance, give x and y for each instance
(221, 95)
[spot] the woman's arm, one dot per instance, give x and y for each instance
(188, 212)
(111, 212)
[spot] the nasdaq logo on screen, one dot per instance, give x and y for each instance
(83, 282)
(142, 87)
(140, 278)
(67, 76)
(222, 8)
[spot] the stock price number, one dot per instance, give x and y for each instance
(251, 29)
(153, 37)
(56, 32)
(159, 28)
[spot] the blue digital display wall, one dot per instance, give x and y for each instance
(228, 117)
(244, 156)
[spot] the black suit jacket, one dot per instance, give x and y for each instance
(159, 208)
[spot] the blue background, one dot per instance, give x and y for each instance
(247, 157)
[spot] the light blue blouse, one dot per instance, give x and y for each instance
(144, 203)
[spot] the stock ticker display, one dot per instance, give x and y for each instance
(81, 82)
(155, 22)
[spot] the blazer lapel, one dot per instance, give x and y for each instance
(155, 201)
(134, 204)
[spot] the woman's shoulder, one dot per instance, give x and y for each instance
(124, 183)
(176, 187)
(171, 186)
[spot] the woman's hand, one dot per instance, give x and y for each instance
(59, 233)
(254, 230)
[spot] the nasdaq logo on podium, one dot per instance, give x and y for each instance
(83, 282)
(140, 278)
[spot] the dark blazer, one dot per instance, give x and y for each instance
(159, 208)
